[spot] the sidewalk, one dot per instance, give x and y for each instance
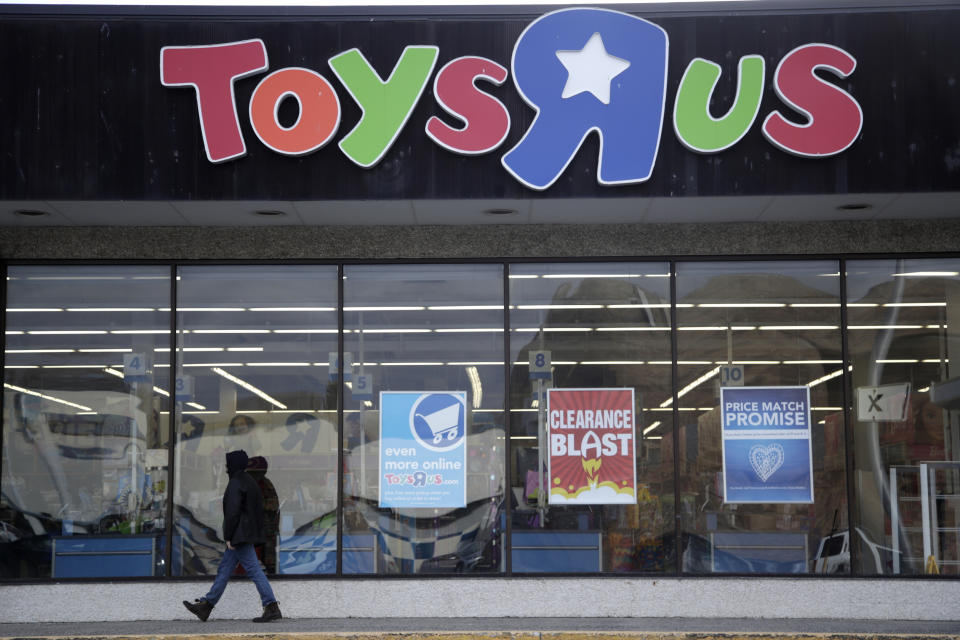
(496, 628)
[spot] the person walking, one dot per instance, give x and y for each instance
(243, 527)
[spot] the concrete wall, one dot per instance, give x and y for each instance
(498, 597)
(478, 241)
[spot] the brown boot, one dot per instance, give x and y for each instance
(271, 612)
(200, 608)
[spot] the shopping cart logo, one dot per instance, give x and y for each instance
(438, 421)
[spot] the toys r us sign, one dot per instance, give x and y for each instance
(582, 70)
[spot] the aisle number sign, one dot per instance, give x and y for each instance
(767, 456)
(540, 368)
(135, 367)
(731, 375)
(592, 446)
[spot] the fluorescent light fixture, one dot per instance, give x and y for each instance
(813, 305)
(862, 304)
(40, 351)
(651, 427)
(639, 306)
(392, 331)
(523, 277)
(898, 361)
(926, 274)
(554, 329)
(476, 364)
(477, 330)
(613, 362)
(914, 304)
(72, 366)
(411, 364)
(292, 309)
(192, 349)
(249, 387)
(196, 406)
(924, 390)
(829, 376)
(654, 438)
(46, 397)
(109, 309)
(304, 330)
(368, 404)
(14, 333)
(632, 329)
(257, 349)
(109, 350)
(384, 308)
(721, 328)
(213, 309)
(139, 331)
(855, 327)
(748, 362)
(690, 387)
(67, 333)
(590, 275)
(212, 364)
(278, 364)
(741, 305)
(798, 327)
(475, 307)
(21, 366)
(231, 331)
(476, 386)
(936, 360)
(688, 362)
(813, 362)
(532, 307)
(33, 309)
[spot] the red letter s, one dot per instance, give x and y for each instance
(834, 116)
(487, 120)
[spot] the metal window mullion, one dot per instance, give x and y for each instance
(674, 380)
(3, 359)
(172, 414)
(507, 426)
(848, 435)
(340, 432)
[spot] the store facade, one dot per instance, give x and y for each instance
(598, 303)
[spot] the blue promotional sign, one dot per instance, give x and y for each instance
(766, 444)
(423, 451)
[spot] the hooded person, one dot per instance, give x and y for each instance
(243, 527)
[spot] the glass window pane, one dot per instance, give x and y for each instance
(769, 332)
(85, 422)
(903, 317)
(606, 327)
(253, 359)
(426, 343)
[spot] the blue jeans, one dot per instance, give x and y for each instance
(245, 555)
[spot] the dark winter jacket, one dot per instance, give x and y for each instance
(242, 504)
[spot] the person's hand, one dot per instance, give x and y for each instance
(229, 546)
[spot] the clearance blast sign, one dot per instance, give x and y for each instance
(592, 451)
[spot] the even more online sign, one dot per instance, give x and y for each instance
(582, 70)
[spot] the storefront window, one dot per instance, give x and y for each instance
(253, 366)
(591, 494)
(903, 319)
(423, 419)
(763, 486)
(85, 428)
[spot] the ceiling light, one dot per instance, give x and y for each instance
(500, 212)
(855, 206)
(30, 213)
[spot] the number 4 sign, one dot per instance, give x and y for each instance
(134, 367)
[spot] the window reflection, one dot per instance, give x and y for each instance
(605, 326)
(86, 393)
(254, 349)
(423, 329)
(778, 323)
(902, 315)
